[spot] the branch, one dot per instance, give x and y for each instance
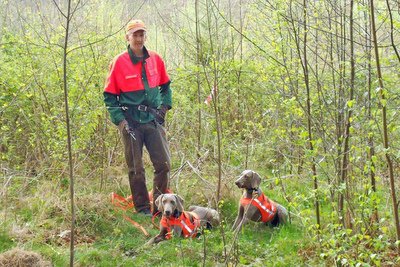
(198, 174)
(107, 36)
(59, 10)
(247, 38)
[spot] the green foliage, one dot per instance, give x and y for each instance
(260, 107)
(6, 242)
(345, 247)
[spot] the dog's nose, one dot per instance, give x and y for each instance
(167, 212)
(238, 183)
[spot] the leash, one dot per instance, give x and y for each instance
(125, 204)
(236, 231)
(153, 218)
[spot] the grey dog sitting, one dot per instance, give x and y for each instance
(254, 205)
(177, 222)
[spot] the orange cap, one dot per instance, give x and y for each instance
(135, 25)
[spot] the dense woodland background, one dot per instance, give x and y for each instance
(306, 93)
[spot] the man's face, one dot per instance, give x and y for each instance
(136, 40)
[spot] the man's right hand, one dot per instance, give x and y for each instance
(124, 125)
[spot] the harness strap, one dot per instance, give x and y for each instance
(263, 207)
(189, 229)
(266, 207)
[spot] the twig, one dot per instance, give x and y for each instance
(236, 232)
(178, 171)
(198, 174)
(5, 185)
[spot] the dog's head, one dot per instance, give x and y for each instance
(248, 180)
(169, 204)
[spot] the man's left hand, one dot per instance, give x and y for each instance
(163, 111)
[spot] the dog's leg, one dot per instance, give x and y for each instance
(239, 218)
(282, 214)
(177, 231)
(158, 238)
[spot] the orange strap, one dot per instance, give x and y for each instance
(126, 204)
(121, 202)
(136, 225)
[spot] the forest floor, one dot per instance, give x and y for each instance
(36, 218)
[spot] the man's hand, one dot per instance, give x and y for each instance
(163, 111)
(124, 125)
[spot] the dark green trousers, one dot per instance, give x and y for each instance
(152, 136)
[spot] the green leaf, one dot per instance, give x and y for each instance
(350, 103)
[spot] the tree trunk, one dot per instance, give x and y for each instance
(309, 126)
(198, 54)
(346, 150)
(383, 93)
(68, 17)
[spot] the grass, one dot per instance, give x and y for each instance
(36, 220)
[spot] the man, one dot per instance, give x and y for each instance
(138, 95)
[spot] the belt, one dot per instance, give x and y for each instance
(144, 108)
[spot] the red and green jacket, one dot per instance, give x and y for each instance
(132, 82)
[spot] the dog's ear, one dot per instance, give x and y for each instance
(179, 203)
(255, 180)
(159, 204)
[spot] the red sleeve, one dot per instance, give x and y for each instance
(164, 78)
(111, 85)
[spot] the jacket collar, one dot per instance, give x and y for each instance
(136, 59)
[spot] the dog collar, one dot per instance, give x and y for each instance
(177, 214)
(251, 190)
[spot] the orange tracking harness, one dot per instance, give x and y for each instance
(266, 207)
(189, 228)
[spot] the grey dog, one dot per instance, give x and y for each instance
(254, 205)
(178, 222)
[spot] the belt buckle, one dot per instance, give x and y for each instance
(142, 108)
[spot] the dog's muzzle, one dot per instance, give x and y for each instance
(239, 184)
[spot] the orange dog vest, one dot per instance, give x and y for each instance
(189, 228)
(266, 207)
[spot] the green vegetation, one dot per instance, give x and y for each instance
(297, 97)
(104, 238)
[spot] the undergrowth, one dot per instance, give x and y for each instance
(37, 217)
